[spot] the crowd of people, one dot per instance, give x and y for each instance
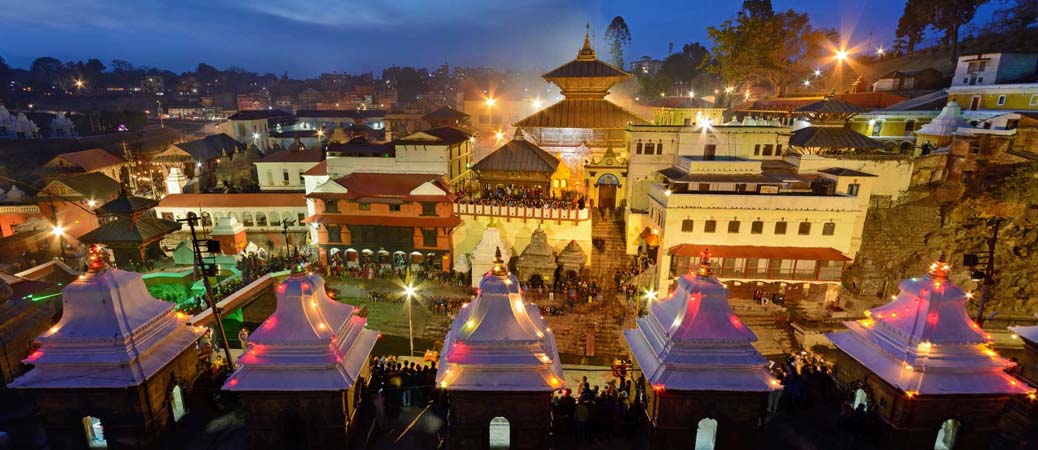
(598, 414)
(395, 384)
(518, 196)
(252, 266)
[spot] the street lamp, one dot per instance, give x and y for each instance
(490, 101)
(841, 55)
(409, 291)
(79, 84)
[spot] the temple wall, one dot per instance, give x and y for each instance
(528, 414)
(674, 417)
(913, 423)
(517, 232)
(61, 411)
(317, 420)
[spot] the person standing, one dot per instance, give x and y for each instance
(243, 338)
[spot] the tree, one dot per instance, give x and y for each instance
(757, 8)
(778, 49)
(619, 36)
(949, 16)
(121, 66)
(651, 87)
(206, 72)
(912, 24)
(685, 66)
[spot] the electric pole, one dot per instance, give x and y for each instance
(986, 277)
(202, 268)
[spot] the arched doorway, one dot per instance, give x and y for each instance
(706, 434)
(94, 432)
(500, 433)
(607, 185)
(178, 404)
(947, 435)
(860, 398)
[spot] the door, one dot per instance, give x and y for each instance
(607, 196)
(975, 103)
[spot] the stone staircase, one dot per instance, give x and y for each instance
(768, 322)
(608, 320)
(892, 236)
(605, 262)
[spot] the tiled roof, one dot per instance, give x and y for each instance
(582, 69)
(91, 160)
(831, 106)
(312, 155)
(842, 172)
(126, 204)
(445, 135)
(582, 113)
(363, 184)
(750, 251)
(832, 137)
(211, 147)
(682, 102)
(92, 185)
(348, 113)
(521, 155)
(273, 200)
(320, 169)
(444, 113)
(259, 114)
(126, 230)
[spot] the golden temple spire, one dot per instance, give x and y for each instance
(704, 264)
(499, 268)
(587, 53)
(939, 269)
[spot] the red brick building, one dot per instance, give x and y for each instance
(382, 219)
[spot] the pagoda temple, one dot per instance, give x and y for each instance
(499, 367)
(115, 371)
(584, 123)
(925, 368)
(708, 384)
(302, 376)
(520, 163)
(131, 230)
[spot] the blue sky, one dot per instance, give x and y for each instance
(306, 37)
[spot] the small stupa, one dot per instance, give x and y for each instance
(306, 360)
(116, 345)
(499, 364)
(926, 367)
(698, 359)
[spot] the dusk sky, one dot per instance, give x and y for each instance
(306, 37)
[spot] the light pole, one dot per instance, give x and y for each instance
(985, 276)
(409, 291)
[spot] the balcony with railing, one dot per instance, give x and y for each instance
(522, 212)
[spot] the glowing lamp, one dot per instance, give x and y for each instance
(91, 203)
(775, 382)
(443, 384)
(58, 230)
(537, 103)
(924, 346)
(470, 323)
(490, 101)
(908, 367)
(841, 55)
(539, 334)
(409, 290)
(233, 382)
(911, 394)
(499, 135)
(54, 329)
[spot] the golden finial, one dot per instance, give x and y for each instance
(704, 264)
(499, 264)
(587, 53)
(97, 259)
(939, 269)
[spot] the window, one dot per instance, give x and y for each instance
(733, 226)
(768, 149)
(706, 434)
(709, 152)
(687, 225)
(261, 219)
(300, 218)
(500, 433)
(650, 148)
(301, 179)
(778, 150)
(394, 208)
(638, 148)
(284, 175)
(757, 227)
(828, 229)
(860, 398)
(428, 208)
(804, 229)
(334, 233)
(756, 150)
(246, 219)
(1034, 100)
(852, 189)
(909, 126)
(429, 237)
(659, 148)
(780, 227)
(704, 187)
(710, 226)
(740, 187)
(877, 127)
(947, 435)
(364, 206)
(270, 177)
(331, 206)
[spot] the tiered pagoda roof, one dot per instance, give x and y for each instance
(310, 343)
(518, 155)
(112, 334)
(692, 341)
(499, 342)
(584, 82)
(924, 343)
(129, 223)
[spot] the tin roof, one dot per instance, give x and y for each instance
(582, 113)
(832, 137)
(518, 155)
